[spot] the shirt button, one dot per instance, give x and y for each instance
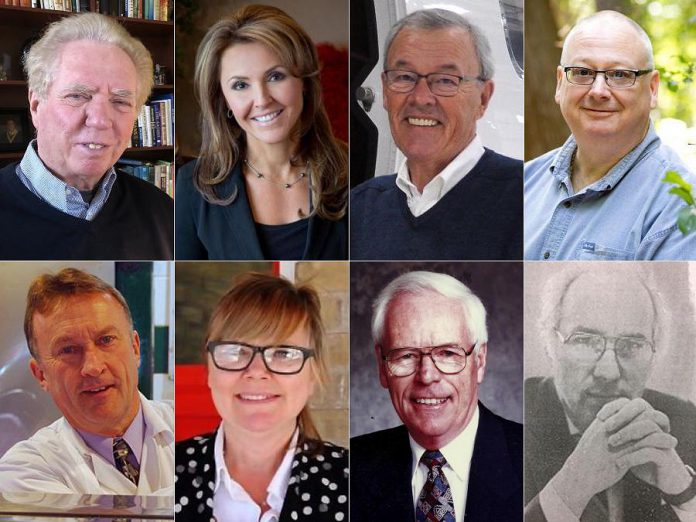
(546, 255)
(567, 204)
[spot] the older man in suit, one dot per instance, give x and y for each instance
(599, 446)
(453, 459)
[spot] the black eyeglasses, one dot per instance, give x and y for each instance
(235, 356)
(449, 359)
(587, 347)
(440, 84)
(616, 78)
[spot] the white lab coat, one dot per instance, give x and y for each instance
(56, 460)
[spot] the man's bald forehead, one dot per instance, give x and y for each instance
(609, 19)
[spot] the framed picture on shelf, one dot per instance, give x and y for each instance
(15, 130)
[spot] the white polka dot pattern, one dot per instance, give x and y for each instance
(317, 490)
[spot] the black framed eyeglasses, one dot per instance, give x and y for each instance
(615, 78)
(448, 359)
(235, 356)
(587, 347)
(440, 84)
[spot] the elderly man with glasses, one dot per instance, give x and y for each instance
(601, 196)
(452, 459)
(451, 198)
(599, 445)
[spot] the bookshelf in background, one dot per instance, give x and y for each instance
(20, 26)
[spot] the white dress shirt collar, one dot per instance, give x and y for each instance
(442, 183)
(458, 454)
(232, 502)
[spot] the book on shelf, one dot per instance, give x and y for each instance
(159, 173)
(154, 126)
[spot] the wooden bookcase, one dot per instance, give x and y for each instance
(19, 24)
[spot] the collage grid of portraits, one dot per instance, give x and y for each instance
(346, 260)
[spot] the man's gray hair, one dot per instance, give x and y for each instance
(556, 288)
(612, 17)
(433, 19)
(44, 56)
(421, 282)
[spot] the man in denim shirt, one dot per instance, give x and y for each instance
(600, 195)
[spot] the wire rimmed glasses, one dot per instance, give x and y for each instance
(440, 84)
(448, 359)
(615, 78)
(235, 356)
(589, 347)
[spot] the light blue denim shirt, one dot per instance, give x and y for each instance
(54, 191)
(627, 214)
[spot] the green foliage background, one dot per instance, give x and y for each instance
(671, 25)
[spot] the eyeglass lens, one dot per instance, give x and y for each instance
(439, 84)
(403, 362)
(613, 78)
(278, 359)
(592, 347)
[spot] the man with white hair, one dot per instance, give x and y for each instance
(452, 459)
(599, 445)
(451, 198)
(601, 196)
(88, 79)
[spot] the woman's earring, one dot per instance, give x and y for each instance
(229, 114)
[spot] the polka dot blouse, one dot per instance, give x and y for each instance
(317, 490)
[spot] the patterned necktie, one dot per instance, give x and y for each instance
(435, 500)
(125, 460)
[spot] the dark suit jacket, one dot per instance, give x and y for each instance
(548, 444)
(381, 474)
(207, 231)
(318, 476)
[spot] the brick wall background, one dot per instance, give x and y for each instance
(199, 286)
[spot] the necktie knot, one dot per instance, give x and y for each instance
(435, 503)
(433, 459)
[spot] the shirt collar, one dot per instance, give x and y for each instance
(59, 194)
(458, 452)
(105, 445)
(560, 166)
(452, 174)
(278, 485)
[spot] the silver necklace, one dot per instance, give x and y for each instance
(260, 175)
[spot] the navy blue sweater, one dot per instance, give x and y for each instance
(136, 223)
(479, 218)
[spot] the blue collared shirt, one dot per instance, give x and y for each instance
(54, 191)
(627, 214)
(105, 445)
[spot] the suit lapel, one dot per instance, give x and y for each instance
(492, 477)
(239, 221)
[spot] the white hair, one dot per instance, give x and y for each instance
(433, 19)
(556, 288)
(420, 282)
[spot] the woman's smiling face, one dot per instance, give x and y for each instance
(265, 99)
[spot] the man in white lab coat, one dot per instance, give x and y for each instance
(85, 353)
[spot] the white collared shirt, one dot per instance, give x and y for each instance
(232, 502)
(419, 203)
(458, 454)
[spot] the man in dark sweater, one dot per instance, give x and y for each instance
(451, 198)
(88, 79)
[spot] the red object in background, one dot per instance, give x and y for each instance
(334, 83)
(195, 411)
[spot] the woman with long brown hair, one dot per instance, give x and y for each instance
(271, 181)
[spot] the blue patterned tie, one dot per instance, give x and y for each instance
(435, 500)
(125, 460)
